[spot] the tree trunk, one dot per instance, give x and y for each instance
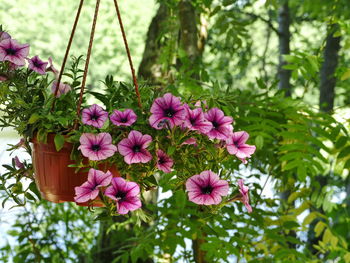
(188, 18)
(326, 103)
(150, 67)
(284, 47)
(327, 78)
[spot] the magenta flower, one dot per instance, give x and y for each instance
(18, 163)
(206, 188)
(221, 124)
(244, 195)
(12, 51)
(97, 147)
(125, 194)
(244, 161)
(134, 147)
(2, 78)
(200, 103)
(195, 121)
(190, 141)
(167, 109)
(236, 145)
(4, 35)
(63, 89)
(13, 66)
(21, 143)
(52, 68)
(94, 116)
(164, 162)
(37, 65)
(123, 118)
(89, 190)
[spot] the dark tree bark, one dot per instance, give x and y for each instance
(327, 78)
(284, 47)
(188, 18)
(326, 103)
(150, 67)
(284, 76)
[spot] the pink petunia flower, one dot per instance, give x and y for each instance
(236, 145)
(13, 66)
(244, 195)
(221, 124)
(167, 109)
(206, 188)
(190, 141)
(164, 162)
(21, 143)
(123, 118)
(244, 161)
(37, 65)
(200, 103)
(4, 35)
(12, 51)
(18, 163)
(125, 194)
(134, 147)
(94, 116)
(90, 189)
(195, 121)
(63, 89)
(52, 68)
(97, 147)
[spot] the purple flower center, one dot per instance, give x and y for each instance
(94, 117)
(37, 64)
(11, 51)
(207, 190)
(96, 147)
(215, 124)
(120, 195)
(236, 144)
(193, 121)
(161, 160)
(136, 148)
(169, 112)
(124, 120)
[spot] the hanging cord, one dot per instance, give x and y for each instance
(67, 53)
(129, 56)
(86, 69)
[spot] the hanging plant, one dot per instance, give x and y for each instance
(112, 152)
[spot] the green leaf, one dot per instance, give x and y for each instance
(259, 141)
(180, 199)
(309, 218)
(347, 164)
(29, 196)
(301, 171)
(33, 118)
(171, 150)
(341, 142)
(291, 165)
(345, 152)
(345, 75)
(327, 236)
(34, 189)
(59, 141)
(320, 226)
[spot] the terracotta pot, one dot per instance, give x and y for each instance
(55, 180)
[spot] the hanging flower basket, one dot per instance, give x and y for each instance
(147, 133)
(55, 179)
